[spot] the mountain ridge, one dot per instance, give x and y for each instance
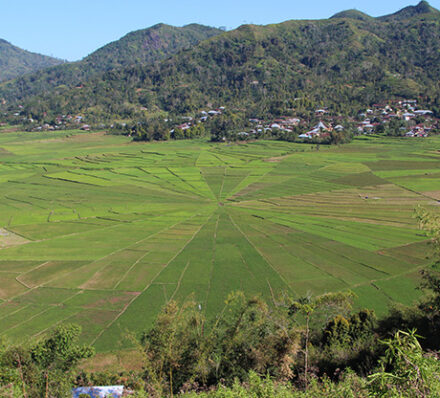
(15, 61)
(120, 53)
(344, 63)
(150, 44)
(422, 8)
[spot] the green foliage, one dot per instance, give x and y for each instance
(15, 62)
(226, 126)
(154, 129)
(308, 306)
(141, 47)
(341, 330)
(184, 349)
(147, 46)
(430, 223)
(342, 63)
(395, 128)
(258, 387)
(405, 370)
(60, 349)
(45, 368)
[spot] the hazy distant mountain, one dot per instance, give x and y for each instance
(15, 62)
(344, 62)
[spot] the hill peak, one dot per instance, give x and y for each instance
(352, 14)
(422, 8)
(15, 61)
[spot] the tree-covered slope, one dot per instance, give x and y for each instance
(339, 62)
(148, 45)
(140, 47)
(423, 9)
(353, 14)
(15, 62)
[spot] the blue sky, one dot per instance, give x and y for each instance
(72, 29)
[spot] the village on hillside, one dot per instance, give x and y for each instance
(402, 118)
(397, 118)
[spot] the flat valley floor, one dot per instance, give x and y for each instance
(99, 231)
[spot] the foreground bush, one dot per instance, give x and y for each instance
(351, 386)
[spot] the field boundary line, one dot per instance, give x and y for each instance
(214, 248)
(206, 182)
(330, 250)
(22, 283)
(180, 280)
(261, 254)
(121, 250)
(232, 191)
(186, 182)
(408, 272)
(272, 168)
(185, 193)
(14, 312)
(152, 281)
(116, 251)
(223, 184)
(9, 299)
(306, 260)
(50, 307)
(27, 320)
(128, 271)
(80, 309)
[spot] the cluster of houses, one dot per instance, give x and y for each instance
(416, 122)
(282, 124)
(189, 121)
(61, 122)
(323, 126)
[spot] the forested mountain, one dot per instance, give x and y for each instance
(148, 45)
(344, 62)
(140, 47)
(15, 62)
(353, 14)
(421, 9)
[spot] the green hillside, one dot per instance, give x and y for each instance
(422, 9)
(136, 48)
(353, 14)
(148, 45)
(15, 62)
(342, 63)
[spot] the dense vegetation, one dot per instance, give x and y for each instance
(15, 62)
(136, 48)
(345, 63)
(146, 46)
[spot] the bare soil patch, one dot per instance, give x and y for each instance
(8, 239)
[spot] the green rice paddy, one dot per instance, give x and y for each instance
(100, 231)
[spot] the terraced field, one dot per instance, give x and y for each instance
(100, 231)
